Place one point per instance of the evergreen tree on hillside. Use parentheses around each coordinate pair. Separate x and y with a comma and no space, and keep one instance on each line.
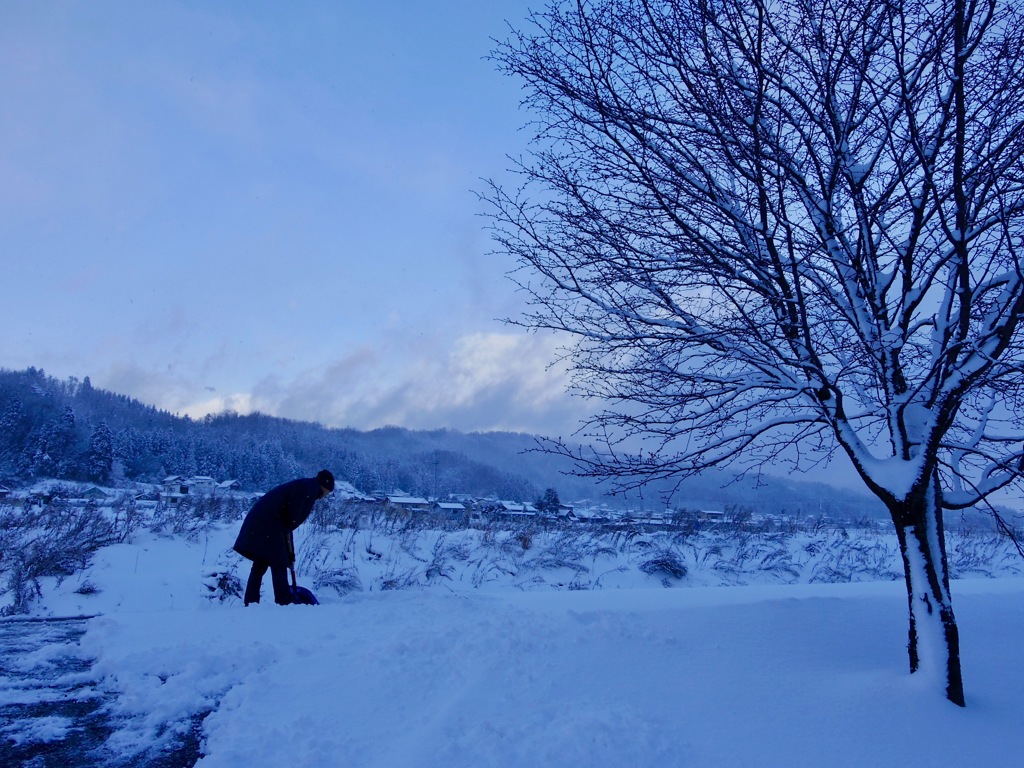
(52,452)
(549,502)
(100,459)
(131,449)
(14,428)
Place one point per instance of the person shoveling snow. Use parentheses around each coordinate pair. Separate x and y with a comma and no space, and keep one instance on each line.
(266,534)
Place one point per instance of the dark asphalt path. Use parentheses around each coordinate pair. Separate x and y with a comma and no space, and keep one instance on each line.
(52,711)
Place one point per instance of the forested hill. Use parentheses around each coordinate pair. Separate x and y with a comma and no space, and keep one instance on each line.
(70,430)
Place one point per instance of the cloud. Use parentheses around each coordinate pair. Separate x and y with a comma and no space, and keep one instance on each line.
(163,389)
(239,403)
(483,382)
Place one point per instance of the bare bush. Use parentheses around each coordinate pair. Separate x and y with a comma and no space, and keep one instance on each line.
(665,563)
(222,585)
(55,540)
(341,580)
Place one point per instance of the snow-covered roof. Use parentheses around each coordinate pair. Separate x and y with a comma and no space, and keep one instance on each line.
(407,500)
(518,506)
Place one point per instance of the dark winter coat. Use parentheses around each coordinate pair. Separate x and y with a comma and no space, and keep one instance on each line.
(265,530)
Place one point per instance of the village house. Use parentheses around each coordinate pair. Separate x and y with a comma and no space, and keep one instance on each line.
(566,512)
(449,507)
(176,487)
(146,499)
(201,484)
(409,503)
(513,510)
(712,515)
(94,494)
(174,484)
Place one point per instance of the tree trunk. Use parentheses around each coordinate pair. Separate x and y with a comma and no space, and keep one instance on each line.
(934,641)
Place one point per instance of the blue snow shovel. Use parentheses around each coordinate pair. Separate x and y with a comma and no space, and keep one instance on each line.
(300,595)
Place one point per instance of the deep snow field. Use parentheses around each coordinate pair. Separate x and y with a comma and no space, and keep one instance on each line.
(765,676)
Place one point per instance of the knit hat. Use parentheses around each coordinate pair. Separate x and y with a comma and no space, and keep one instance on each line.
(326,479)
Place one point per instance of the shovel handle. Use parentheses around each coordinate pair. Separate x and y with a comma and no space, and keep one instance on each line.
(291,553)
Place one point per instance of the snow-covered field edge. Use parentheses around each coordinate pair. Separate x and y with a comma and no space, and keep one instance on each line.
(340,552)
(762,644)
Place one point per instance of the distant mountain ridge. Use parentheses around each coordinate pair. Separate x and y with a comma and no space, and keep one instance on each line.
(68,429)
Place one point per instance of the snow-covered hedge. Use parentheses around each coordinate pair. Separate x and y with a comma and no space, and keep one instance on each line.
(348,548)
(372,558)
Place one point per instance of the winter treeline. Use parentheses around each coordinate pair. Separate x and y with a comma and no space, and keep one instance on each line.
(70,430)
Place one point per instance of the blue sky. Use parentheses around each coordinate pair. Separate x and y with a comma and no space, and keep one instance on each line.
(267,206)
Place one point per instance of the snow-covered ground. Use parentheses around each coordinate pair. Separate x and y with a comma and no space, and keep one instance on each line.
(769,675)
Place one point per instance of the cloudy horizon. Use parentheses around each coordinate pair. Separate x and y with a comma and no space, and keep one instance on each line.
(252,206)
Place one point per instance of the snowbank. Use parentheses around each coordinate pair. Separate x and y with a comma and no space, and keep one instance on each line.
(769,675)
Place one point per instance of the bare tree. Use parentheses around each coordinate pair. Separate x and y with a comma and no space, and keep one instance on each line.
(776,229)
